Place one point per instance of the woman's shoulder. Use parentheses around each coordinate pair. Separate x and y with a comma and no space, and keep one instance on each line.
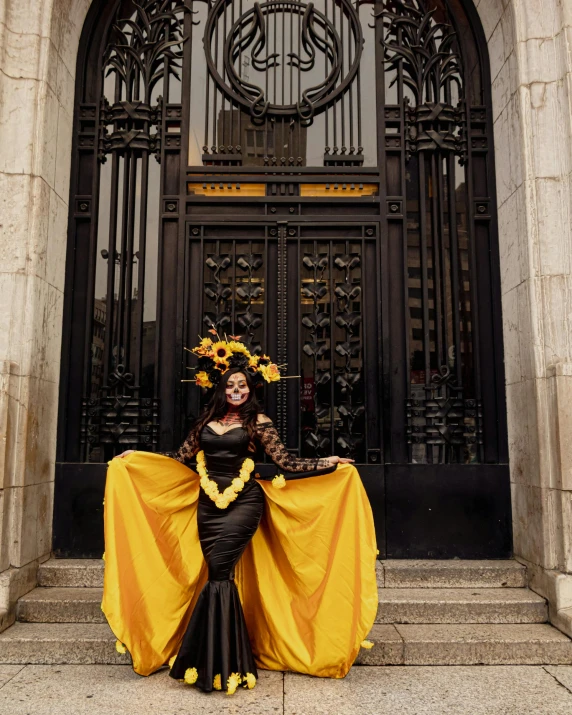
(262,419)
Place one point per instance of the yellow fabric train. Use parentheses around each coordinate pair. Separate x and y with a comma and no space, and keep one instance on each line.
(306,581)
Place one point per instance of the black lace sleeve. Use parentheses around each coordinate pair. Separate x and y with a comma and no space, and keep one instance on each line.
(275,449)
(186,451)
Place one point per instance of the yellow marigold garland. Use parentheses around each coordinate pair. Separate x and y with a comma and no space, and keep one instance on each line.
(217,684)
(249,681)
(120,647)
(211,489)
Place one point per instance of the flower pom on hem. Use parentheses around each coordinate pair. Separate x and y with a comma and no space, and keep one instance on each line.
(232,683)
(120,647)
(279,481)
(217,684)
(191,676)
(249,681)
(367,644)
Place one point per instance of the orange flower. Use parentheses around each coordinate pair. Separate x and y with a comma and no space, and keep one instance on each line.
(202,379)
(270,373)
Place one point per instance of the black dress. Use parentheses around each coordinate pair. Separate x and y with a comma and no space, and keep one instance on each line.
(216,640)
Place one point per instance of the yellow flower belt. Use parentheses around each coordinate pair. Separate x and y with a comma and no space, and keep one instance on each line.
(223,499)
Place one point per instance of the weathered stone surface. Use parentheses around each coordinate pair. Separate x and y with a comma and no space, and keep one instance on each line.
(7,672)
(429,691)
(452,644)
(62,605)
(460,605)
(47,643)
(387,648)
(82,690)
(76,573)
(455,573)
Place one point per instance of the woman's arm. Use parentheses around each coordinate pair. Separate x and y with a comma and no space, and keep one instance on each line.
(184,454)
(186,451)
(275,449)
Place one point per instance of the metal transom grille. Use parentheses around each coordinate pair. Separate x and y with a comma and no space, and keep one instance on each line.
(316,177)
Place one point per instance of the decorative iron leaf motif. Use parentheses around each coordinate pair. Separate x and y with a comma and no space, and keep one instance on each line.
(217,321)
(318,442)
(250,262)
(315,350)
(249,321)
(141,50)
(349,377)
(315,290)
(218,263)
(217,291)
(320,320)
(427,56)
(248,291)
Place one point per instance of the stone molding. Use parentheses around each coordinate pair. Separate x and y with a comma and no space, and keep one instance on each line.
(531,74)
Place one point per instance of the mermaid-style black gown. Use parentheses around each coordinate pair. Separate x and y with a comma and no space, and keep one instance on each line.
(216,641)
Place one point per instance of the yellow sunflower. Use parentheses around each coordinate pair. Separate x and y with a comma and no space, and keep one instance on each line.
(237,347)
(221,352)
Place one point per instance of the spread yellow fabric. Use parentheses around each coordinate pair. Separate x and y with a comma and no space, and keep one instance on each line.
(306,581)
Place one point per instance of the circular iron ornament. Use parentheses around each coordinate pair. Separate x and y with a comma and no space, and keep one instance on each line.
(317,35)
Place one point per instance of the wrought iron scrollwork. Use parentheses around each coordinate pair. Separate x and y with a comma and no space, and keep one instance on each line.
(317,35)
(443,420)
(118,417)
(142,51)
(431,64)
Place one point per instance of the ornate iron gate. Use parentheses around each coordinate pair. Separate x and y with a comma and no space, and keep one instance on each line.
(317,177)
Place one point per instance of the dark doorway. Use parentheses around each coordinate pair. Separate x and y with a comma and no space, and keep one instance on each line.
(319,179)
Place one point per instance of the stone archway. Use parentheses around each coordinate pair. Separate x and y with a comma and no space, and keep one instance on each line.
(529,72)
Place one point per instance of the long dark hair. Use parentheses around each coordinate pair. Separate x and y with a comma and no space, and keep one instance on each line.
(217,407)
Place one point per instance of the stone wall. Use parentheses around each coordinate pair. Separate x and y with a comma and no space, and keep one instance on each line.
(38,46)
(530,53)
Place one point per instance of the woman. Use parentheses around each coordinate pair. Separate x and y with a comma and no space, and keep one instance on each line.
(215,651)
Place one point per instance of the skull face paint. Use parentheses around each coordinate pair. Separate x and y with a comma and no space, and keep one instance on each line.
(237,389)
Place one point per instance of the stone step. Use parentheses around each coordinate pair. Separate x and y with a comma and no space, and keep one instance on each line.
(460,605)
(454,573)
(482,644)
(71,573)
(61,605)
(396,605)
(50,643)
(537,644)
(398,573)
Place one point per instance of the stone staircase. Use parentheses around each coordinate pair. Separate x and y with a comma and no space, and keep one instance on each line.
(430,613)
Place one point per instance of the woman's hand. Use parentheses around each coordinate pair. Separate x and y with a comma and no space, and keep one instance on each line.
(339,460)
(127,451)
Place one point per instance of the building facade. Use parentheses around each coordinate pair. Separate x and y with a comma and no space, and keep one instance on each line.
(377,194)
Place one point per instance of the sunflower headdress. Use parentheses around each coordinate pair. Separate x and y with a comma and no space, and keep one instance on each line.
(216,356)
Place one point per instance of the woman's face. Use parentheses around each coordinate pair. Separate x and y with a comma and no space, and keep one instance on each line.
(237,389)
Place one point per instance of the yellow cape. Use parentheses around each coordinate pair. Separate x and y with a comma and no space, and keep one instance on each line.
(306,581)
